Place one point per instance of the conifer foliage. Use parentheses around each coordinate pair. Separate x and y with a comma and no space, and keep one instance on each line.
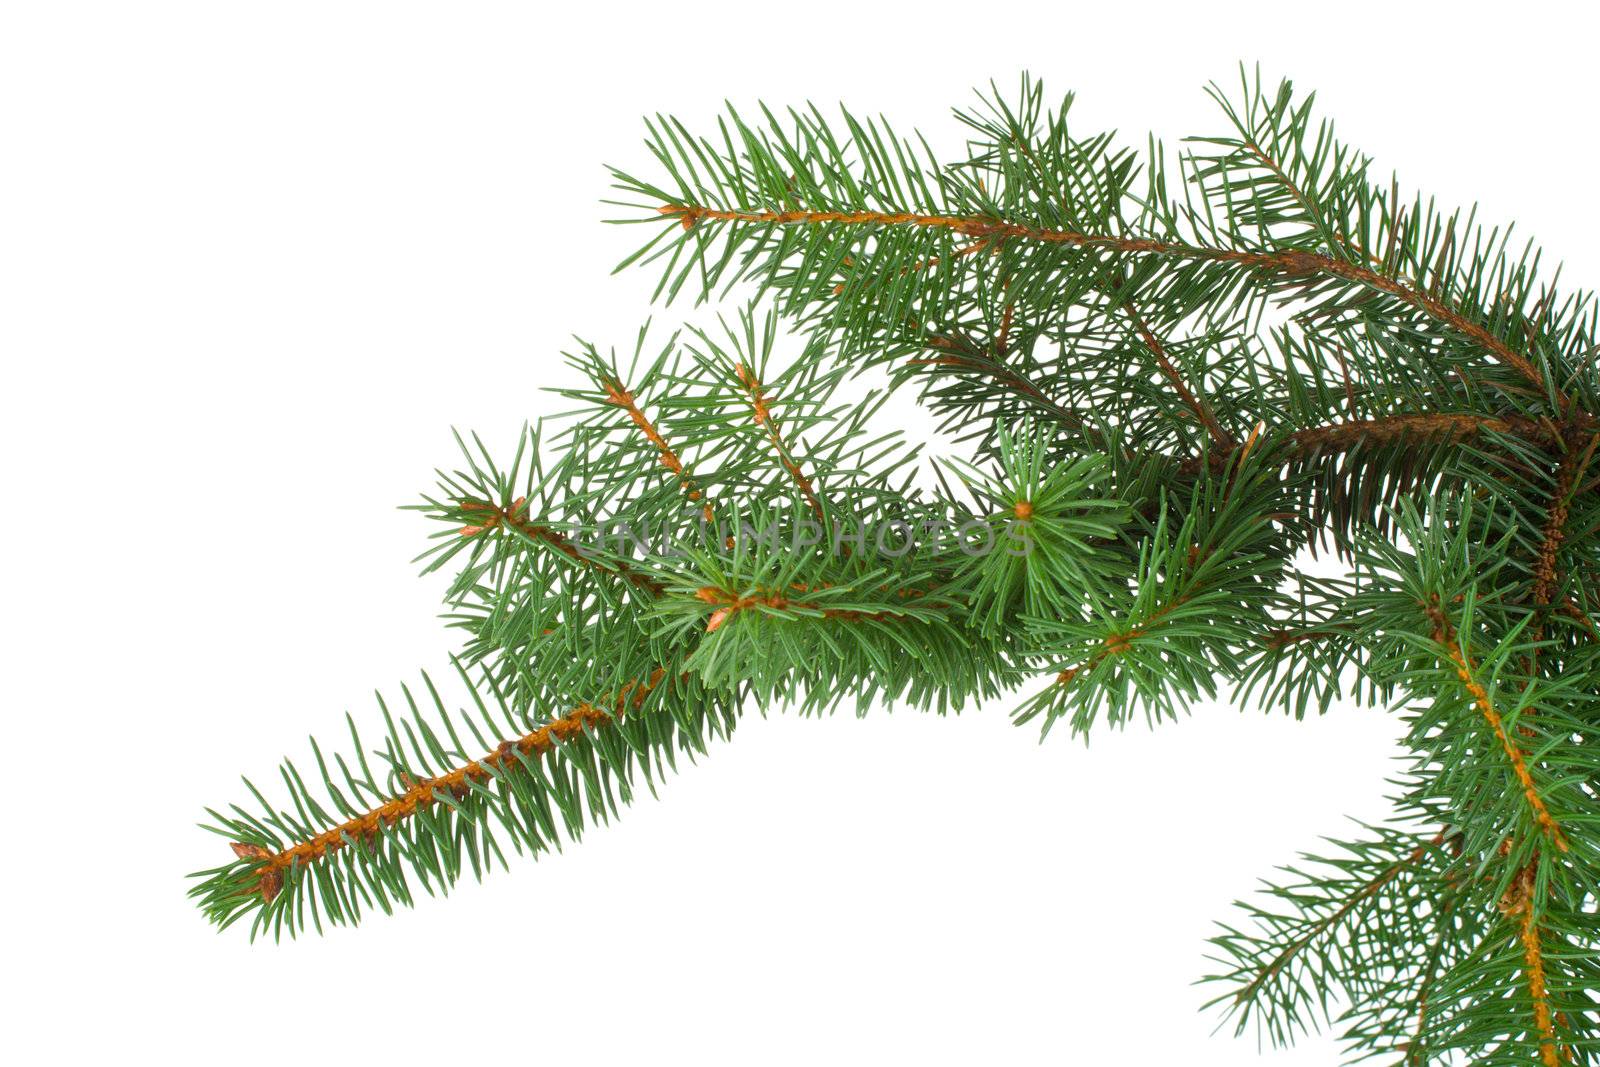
(1175,380)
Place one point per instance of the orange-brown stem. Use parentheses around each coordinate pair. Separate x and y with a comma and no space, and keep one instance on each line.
(618,396)
(761,406)
(727,605)
(1202,411)
(1519,903)
(1571,610)
(1367,889)
(512,518)
(1002,341)
(964,356)
(1280,639)
(1340,436)
(1568,473)
(1117,644)
(1290,263)
(1533,955)
(456,783)
(1444,633)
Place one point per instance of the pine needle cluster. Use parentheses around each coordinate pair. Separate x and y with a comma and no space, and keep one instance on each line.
(1175,382)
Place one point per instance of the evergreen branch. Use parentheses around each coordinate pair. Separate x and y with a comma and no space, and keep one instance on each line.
(1322,925)
(1219,437)
(1430,970)
(1521,900)
(456,784)
(727,604)
(964,356)
(1519,904)
(1329,934)
(1549,1050)
(1120,642)
(1301,661)
(512,518)
(1341,436)
(1290,264)
(1199,596)
(439,814)
(1444,635)
(1437,428)
(1569,474)
(619,396)
(1093,344)
(761,411)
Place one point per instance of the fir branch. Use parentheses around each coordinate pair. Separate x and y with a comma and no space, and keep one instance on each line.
(761,411)
(1326,442)
(1416,1049)
(726,604)
(1341,436)
(1320,927)
(1521,906)
(963,356)
(1569,474)
(439,814)
(1094,343)
(1290,264)
(455,783)
(1327,930)
(487,517)
(1220,438)
(619,396)
(1446,636)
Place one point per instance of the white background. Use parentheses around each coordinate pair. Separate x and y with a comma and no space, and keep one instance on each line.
(258,258)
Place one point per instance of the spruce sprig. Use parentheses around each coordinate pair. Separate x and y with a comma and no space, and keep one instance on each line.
(1173,379)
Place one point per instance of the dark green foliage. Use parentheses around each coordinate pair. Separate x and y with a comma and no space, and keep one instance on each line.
(1173,384)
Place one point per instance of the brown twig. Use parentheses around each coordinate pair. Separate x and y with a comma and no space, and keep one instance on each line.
(1365,890)
(457,783)
(1444,633)
(1573,611)
(1340,436)
(727,604)
(511,518)
(619,396)
(1278,640)
(1519,903)
(964,356)
(1220,438)
(1569,473)
(761,406)
(1290,263)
